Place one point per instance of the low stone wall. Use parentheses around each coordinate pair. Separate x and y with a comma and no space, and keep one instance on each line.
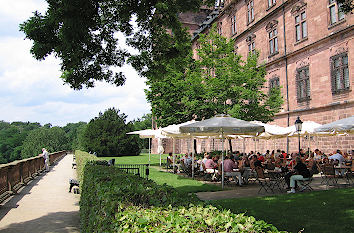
(18,173)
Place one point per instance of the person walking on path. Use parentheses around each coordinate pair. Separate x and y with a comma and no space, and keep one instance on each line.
(45,156)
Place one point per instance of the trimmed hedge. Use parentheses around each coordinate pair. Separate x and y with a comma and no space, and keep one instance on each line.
(82,158)
(113,201)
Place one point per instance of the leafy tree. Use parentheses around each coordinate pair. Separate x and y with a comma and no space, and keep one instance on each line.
(12,137)
(53,139)
(106,135)
(346,6)
(87,42)
(74,133)
(218,82)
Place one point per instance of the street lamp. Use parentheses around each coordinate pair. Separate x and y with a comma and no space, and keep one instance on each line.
(298,126)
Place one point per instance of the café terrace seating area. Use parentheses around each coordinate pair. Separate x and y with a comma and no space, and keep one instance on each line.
(268,176)
(271,171)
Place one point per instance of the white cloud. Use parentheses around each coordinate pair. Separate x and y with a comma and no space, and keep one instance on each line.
(20,10)
(31,90)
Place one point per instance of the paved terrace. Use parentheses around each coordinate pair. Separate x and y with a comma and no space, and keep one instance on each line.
(44,205)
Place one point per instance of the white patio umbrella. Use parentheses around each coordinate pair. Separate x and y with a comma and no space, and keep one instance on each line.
(173,131)
(272,131)
(150,133)
(345,125)
(308,127)
(224,125)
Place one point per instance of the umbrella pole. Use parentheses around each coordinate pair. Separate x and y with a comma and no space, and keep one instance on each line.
(244,146)
(149,150)
(173,154)
(222,161)
(193,151)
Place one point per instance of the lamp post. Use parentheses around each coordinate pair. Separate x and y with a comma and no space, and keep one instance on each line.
(298,126)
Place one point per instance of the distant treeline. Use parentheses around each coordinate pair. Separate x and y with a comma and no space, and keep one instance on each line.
(105,134)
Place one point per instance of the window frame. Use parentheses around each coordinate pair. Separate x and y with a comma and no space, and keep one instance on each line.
(338,14)
(219,29)
(250,11)
(342,67)
(273,41)
(303,82)
(274,82)
(233,24)
(271,3)
(299,25)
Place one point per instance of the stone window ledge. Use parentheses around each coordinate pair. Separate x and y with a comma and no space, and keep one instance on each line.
(300,41)
(330,26)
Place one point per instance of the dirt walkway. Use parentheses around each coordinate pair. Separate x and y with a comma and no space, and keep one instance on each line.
(44,205)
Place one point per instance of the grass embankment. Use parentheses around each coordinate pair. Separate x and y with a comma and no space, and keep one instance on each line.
(160,177)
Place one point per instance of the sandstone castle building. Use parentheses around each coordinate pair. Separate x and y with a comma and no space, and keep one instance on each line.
(308,49)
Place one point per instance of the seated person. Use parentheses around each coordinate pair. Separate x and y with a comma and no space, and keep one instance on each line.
(300,173)
(258,162)
(229,167)
(210,165)
(169,159)
(245,168)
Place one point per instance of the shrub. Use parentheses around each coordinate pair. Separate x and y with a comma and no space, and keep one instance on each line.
(113,201)
(105,188)
(82,158)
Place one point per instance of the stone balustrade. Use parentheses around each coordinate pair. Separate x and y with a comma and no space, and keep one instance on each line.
(16,174)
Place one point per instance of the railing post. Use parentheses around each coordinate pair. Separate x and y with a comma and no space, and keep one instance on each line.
(147,171)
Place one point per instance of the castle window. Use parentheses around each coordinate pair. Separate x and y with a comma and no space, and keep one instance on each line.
(303,84)
(220,28)
(250,11)
(273,41)
(339,73)
(271,3)
(335,14)
(300,26)
(274,83)
(233,25)
(252,47)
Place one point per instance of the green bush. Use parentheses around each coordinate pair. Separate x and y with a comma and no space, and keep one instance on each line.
(82,158)
(105,188)
(113,201)
(185,219)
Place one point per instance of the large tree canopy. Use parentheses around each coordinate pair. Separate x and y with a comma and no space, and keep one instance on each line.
(83,34)
(107,135)
(220,81)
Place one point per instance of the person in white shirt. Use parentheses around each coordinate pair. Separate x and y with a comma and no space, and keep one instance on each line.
(45,156)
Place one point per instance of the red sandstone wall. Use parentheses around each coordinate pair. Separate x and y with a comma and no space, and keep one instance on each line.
(323,42)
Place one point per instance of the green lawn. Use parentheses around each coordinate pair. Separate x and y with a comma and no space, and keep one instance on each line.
(177,181)
(323,211)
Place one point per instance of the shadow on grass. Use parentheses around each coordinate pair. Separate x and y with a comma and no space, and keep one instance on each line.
(320,211)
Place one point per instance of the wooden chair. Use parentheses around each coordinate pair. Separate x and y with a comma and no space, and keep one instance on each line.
(264,181)
(306,183)
(329,175)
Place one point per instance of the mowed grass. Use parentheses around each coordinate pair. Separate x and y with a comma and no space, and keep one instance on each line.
(321,211)
(179,182)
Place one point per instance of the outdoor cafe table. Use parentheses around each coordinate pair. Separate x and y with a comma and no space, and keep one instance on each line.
(277,177)
(347,170)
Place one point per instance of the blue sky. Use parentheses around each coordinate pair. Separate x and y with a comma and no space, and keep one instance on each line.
(31,90)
